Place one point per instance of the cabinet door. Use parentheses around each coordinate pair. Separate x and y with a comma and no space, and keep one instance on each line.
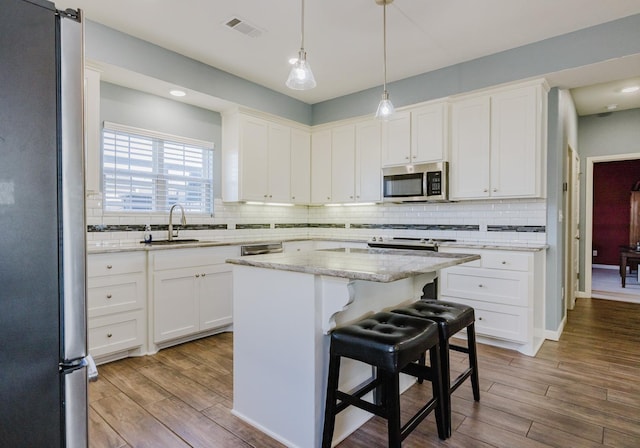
(368,154)
(428,133)
(343,160)
(92,127)
(175,299)
(300,167)
(215,296)
(470,145)
(514,142)
(254,141)
(321,167)
(396,140)
(279,163)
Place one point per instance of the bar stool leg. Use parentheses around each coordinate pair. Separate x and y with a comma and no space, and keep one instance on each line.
(438,390)
(473,361)
(446,382)
(392,400)
(330,406)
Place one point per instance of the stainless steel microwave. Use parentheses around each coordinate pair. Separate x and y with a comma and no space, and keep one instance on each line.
(426,182)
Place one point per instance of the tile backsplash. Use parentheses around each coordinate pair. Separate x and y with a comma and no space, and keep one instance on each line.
(516,221)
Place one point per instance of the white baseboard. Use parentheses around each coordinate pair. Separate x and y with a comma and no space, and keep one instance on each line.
(606,266)
(554,335)
(582,295)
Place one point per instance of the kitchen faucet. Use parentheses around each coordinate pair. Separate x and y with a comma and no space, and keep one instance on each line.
(183,221)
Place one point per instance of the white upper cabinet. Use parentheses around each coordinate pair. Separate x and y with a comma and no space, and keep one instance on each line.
(418,135)
(497,144)
(368,176)
(93,179)
(470,147)
(300,167)
(396,139)
(279,163)
(321,167)
(429,133)
(346,163)
(257,159)
(343,163)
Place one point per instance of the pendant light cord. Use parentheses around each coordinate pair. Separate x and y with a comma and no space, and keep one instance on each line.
(302,27)
(384,42)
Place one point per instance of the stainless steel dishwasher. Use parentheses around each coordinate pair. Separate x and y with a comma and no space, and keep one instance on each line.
(264,248)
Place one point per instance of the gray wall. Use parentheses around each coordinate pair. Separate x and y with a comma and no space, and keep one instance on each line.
(109,46)
(134,108)
(599,43)
(617,133)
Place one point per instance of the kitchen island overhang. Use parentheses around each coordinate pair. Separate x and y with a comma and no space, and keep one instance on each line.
(284,307)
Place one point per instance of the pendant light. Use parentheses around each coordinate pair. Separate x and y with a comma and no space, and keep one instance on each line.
(385,108)
(301,76)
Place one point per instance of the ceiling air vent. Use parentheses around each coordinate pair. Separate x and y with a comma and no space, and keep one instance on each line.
(243,27)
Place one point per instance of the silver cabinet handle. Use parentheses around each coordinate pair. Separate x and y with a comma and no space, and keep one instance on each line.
(495,189)
(480,285)
(480,318)
(109,266)
(203,274)
(109,296)
(197,275)
(485,190)
(109,335)
(504,262)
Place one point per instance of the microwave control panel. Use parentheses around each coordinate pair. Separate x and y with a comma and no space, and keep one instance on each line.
(434,183)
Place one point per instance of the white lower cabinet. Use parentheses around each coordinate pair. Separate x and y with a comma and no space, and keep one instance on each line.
(192,292)
(506,290)
(116,304)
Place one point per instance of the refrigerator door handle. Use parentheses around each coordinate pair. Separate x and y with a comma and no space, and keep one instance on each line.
(73,229)
(92,370)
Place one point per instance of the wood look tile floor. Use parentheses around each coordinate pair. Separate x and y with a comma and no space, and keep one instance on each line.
(582,391)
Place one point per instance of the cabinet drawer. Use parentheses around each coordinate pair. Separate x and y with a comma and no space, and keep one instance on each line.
(510,261)
(184,258)
(499,321)
(115,264)
(506,287)
(115,333)
(503,260)
(115,294)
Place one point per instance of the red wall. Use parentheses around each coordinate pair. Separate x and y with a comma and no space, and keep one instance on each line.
(612,182)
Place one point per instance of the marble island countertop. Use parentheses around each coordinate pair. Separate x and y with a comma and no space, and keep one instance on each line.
(378,265)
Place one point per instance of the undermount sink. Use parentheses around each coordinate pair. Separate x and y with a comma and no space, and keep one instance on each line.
(174,241)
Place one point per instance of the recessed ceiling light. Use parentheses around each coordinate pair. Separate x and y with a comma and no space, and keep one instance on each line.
(612,107)
(176,92)
(630,89)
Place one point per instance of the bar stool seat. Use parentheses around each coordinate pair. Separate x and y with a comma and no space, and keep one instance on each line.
(394,344)
(451,318)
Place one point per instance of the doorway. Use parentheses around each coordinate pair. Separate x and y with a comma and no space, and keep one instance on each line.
(572,228)
(609,181)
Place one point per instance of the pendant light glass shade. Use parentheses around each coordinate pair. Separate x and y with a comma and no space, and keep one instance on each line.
(301,77)
(385,108)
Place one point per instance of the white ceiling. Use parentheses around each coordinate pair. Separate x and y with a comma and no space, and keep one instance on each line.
(343,38)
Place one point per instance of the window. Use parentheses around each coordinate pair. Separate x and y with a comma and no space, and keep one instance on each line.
(146,171)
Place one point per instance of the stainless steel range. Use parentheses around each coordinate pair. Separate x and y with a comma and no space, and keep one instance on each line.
(430,290)
(408,243)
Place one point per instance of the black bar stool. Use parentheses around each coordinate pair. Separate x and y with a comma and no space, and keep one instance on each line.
(394,344)
(451,318)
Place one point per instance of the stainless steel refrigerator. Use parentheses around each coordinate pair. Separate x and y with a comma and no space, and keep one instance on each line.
(43,341)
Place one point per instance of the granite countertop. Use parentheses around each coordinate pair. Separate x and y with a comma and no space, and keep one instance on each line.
(378,265)
(109,246)
(519,246)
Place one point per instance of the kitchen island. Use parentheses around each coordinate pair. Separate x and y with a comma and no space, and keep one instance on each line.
(285,305)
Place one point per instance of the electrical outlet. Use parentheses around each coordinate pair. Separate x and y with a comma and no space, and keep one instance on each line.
(595,253)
